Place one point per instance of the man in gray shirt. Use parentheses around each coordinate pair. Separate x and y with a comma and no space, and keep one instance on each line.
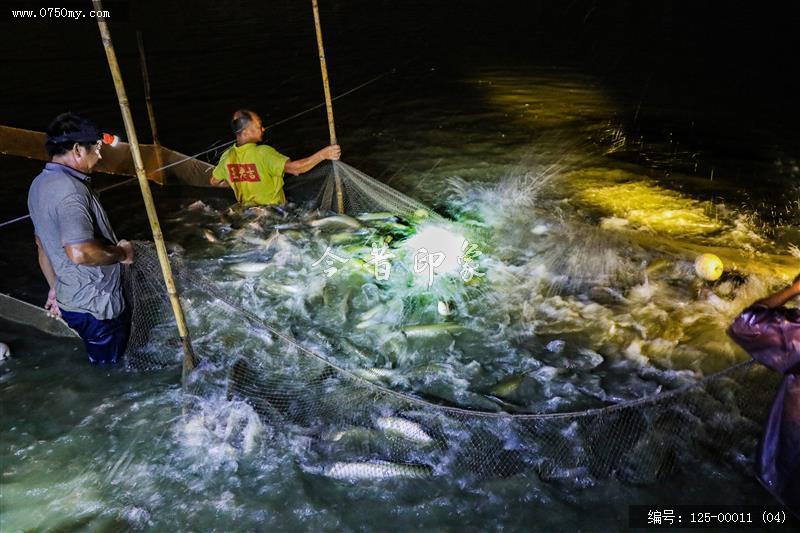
(78,252)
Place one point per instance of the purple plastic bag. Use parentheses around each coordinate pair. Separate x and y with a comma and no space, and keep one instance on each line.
(772,337)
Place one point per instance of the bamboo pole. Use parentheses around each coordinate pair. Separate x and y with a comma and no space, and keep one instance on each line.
(328,103)
(158,174)
(146,78)
(189,361)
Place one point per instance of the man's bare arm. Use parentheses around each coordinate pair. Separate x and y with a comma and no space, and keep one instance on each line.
(782,296)
(218,183)
(95,253)
(44,264)
(50,275)
(301,166)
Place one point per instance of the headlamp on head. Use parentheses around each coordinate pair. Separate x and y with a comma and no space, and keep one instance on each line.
(87,134)
(110,139)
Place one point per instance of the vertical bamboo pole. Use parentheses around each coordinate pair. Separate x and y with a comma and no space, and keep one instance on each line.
(189,361)
(328,103)
(146,78)
(157,175)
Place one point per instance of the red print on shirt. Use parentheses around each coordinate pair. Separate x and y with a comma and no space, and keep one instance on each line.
(243,172)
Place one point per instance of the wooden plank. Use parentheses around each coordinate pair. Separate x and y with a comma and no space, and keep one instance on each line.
(117,160)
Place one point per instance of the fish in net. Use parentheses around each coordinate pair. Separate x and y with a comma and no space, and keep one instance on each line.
(359,427)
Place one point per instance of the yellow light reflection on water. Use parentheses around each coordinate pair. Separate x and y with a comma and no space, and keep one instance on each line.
(547,98)
(669,222)
(649,206)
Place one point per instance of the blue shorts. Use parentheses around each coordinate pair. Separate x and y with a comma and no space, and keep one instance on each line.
(105,340)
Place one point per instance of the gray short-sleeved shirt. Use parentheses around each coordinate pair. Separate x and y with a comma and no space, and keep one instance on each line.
(65,210)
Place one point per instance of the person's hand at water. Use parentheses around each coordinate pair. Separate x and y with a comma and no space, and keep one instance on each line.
(128,247)
(782,296)
(52,305)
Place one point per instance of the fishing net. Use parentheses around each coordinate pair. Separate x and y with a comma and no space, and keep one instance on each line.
(360,193)
(357,425)
(21,312)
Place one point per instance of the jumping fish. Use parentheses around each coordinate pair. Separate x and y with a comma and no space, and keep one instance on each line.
(376,470)
(288,226)
(243,424)
(375,374)
(249,267)
(258,241)
(274,239)
(343,238)
(403,428)
(292,234)
(379,215)
(335,222)
(265,210)
(397,227)
(433,367)
(282,288)
(355,433)
(371,317)
(508,385)
(209,235)
(431,330)
(5,351)
(352,349)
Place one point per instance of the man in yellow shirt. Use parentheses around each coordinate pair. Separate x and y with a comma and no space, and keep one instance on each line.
(255,172)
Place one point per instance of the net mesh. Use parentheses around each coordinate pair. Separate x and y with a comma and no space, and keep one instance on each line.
(21,312)
(360,193)
(358,426)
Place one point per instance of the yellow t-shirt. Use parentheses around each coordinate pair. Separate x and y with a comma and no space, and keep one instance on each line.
(255,173)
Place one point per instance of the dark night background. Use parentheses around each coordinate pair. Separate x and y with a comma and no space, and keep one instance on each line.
(721,65)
